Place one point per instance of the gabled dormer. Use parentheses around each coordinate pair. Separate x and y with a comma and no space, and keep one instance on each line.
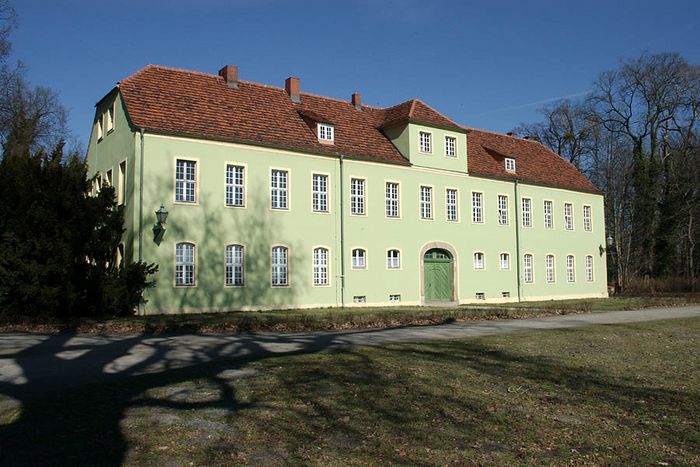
(425,137)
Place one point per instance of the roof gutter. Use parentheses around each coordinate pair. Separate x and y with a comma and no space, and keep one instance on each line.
(140,256)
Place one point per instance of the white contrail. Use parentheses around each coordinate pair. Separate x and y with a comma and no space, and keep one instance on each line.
(540,102)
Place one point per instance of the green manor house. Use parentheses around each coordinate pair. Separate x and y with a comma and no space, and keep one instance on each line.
(284,199)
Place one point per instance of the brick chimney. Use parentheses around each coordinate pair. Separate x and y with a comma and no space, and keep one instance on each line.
(357,101)
(292,86)
(230,75)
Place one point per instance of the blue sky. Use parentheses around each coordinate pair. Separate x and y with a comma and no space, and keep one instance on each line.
(489,65)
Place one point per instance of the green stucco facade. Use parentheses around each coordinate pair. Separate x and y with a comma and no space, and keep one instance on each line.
(211,225)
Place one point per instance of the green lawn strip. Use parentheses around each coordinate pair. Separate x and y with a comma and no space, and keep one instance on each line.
(597,395)
(344,318)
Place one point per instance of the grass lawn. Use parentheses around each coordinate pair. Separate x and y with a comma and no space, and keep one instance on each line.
(347,318)
(598,395)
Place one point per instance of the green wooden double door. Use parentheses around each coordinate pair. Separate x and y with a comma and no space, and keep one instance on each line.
(437,272)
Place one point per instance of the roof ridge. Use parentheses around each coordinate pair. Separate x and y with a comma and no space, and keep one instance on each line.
(529,140)
(413,107)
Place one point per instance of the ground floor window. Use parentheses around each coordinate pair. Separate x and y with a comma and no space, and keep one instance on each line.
(320,266)
(184,264)
(393,260)
(359,258)
(528,275)
(234,265)
(279,263)
(589,268)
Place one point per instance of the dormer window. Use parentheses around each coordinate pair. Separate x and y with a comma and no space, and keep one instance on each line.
(425,141)
(510,165)
(325,132)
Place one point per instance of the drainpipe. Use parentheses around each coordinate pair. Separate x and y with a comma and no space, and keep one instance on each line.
(141,197)
(517,240)
(342,236)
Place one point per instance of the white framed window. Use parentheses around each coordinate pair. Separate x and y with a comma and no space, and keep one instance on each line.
(528,273)
(100,127)
(359,258)
(510,165)
(587,223)
(505,294)
(326,132)
(527,212)
(394,298)
(392,199)
(451,204)
(234,265)
(450,146)
(549,268)
(279,189)
(121,190)
(568,216)
(502,210)
(504,261)
(109,177)
(184,264)
(320,266)
(359,299)
(570,269)
(235,185)
(478,260)
(425,142)
(110,118)
(119,260)
(477,207)
(589,268)
(426,202)
(357,196)
(319,193)
(185,181)
(393,259)
(279,262)
(99,183)
(548,215)
(480,296)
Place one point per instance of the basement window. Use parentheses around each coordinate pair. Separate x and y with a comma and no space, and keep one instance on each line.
(359,299)
(326,132)
(394,298)
(510,165)
(480,296)
(505,294)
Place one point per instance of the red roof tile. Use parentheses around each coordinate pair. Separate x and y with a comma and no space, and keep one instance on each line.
(173,101)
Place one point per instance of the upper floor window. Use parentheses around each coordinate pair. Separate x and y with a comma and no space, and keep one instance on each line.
(110,118)
(100,127)
(589,268)
(450,146)
(392,199)
(477,208)
(502,210)
(504,261)
(425,140)
(184,264)
(393,259)
(326,132)
(426,202)
(568,216)
(319,193)
(320,266)
(235,185)
(121,190)
(109,177)
(587,218)
(185,181)
(549,268)
(279,266)
(548,215)
(279,189)
(451,204)
(234,265)
(510,165)
(528,274)
(357,196)
(359,258)
(570,270)
(527,212)
(478,260)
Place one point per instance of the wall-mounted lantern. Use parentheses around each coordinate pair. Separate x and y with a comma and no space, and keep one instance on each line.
(608,242)
(159,227)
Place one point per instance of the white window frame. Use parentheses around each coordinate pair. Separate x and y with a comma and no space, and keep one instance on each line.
(358,258)
(321,266)
(184,184)
(425,142)
(185,270)
(478,210)
(426,203)
(235,187)
(280,199)
(110,118)
(234,265)
(393,259)
(121,188)
(358,196)
(394,298)
(100,127)
(587,218)
(452,207)
(450,146)
(568,216)
(509,165)
(570,268)
(528,268)
(320,199)
(548,214)
(504,261)
(550,270)
(279,266)
(325,132)
(526,208)
(589,268)
(479,261)
(392,200)
(502,209)
(109,177)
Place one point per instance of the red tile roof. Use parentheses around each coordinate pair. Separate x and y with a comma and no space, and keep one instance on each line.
(173,101)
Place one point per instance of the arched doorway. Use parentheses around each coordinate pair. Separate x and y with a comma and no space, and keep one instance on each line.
(438,276)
